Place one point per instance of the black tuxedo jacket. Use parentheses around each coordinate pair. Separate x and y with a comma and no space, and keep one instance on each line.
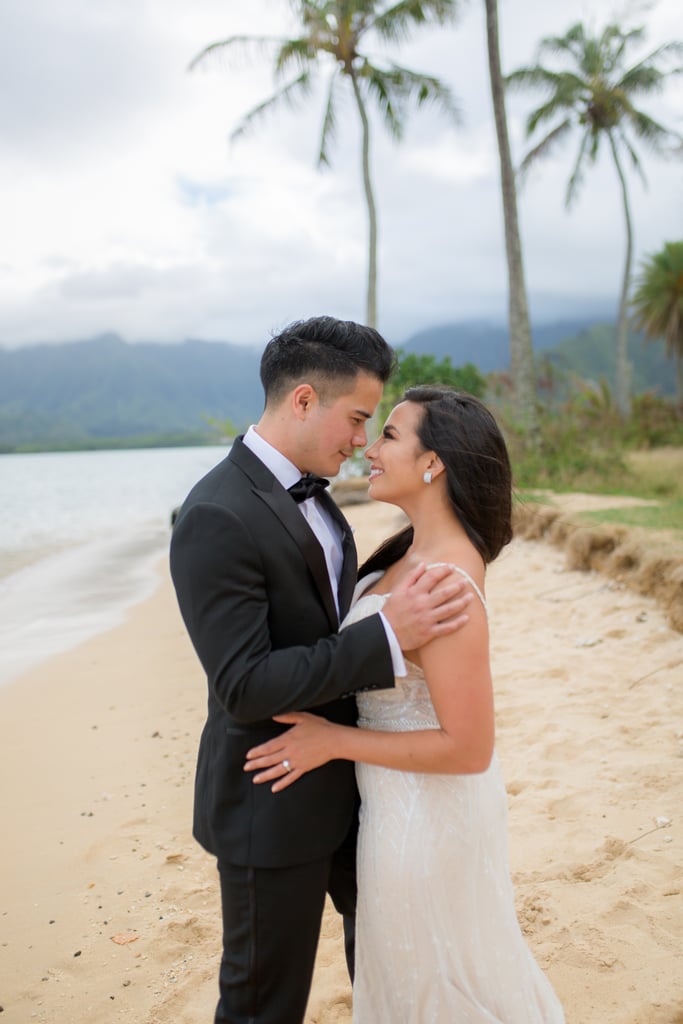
(255,596)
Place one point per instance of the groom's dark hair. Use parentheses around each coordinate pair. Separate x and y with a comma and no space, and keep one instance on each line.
(325,352)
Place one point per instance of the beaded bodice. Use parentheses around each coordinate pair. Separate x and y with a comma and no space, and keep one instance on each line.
(408,706)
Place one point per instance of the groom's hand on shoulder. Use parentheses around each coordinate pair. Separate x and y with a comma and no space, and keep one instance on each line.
(427,603)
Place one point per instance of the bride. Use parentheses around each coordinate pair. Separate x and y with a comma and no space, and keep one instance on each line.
(437,937)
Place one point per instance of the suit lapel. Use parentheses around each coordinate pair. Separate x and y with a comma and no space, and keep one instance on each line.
(348,579)
(270,491)
(291,518)
(350,559)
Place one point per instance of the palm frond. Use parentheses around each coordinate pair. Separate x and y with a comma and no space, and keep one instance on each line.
(301,52)
(559,103)
(214,51)
(417,87)
(287,95)
(390,101)
(537,77)
(565,87)
(613,44)
(645,77)
(576,177)
(572,43)
(659,138)
(394,88)
(595,138)
(621,141)
(329,129)
(545,146)
(657,300)
(396,23)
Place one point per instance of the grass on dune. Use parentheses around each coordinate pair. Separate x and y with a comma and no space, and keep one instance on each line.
(655,476)
(641,545)
(658,472)
(663,516)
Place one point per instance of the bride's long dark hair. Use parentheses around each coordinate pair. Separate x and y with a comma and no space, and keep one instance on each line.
(467,439)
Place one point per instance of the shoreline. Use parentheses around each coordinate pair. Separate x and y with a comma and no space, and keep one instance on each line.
(75,592)
(109,908)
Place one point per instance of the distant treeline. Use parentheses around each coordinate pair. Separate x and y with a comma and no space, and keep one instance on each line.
(106,393)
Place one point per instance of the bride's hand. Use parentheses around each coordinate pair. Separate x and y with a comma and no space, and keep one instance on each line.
(300,749)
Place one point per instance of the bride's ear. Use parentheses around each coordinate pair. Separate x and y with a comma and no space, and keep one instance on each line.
(434,466)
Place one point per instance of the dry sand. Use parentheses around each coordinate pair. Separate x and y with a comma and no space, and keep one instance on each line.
(109,910)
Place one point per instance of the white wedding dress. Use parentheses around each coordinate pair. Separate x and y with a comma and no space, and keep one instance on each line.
(437,937)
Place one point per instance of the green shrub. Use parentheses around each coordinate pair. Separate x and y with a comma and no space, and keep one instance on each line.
(582,442)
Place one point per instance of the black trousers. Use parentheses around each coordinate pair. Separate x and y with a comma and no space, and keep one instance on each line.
(271,926)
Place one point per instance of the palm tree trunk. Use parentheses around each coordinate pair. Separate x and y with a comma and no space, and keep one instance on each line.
(623,367)
(521,352)
(371,307)
(679,378)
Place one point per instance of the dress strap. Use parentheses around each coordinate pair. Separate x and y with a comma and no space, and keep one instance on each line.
(365,584)
(368,581)
(463,572)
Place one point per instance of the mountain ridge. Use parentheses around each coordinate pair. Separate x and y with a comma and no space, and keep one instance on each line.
(105,390)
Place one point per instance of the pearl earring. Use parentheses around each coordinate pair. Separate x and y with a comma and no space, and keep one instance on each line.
(427,477)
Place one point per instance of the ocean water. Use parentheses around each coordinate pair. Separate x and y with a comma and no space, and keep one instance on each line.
(81,535)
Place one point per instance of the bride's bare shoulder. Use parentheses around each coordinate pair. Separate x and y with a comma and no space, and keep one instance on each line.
(466,561)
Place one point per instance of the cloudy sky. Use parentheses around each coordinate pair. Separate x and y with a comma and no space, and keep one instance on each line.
(124,207)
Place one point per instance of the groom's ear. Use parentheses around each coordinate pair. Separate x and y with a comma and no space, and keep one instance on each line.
(302,399)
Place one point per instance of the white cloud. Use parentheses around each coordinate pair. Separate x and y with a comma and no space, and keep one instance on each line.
(124,206)
(449,161)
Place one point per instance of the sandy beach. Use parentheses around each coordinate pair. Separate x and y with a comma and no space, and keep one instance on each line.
(109,909)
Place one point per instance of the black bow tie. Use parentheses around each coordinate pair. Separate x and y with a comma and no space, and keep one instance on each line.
(310,486)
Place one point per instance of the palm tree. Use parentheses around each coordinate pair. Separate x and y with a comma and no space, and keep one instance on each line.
(595,94)
(332,33)
(521,352)
(658,304)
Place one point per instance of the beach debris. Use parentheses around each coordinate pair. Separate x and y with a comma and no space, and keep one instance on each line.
(175,858)
(591,641)
(123,938)
(660,822)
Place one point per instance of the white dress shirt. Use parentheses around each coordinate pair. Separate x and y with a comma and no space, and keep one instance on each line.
(327,532)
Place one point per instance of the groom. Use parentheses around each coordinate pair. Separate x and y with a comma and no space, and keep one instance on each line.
(264,567)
